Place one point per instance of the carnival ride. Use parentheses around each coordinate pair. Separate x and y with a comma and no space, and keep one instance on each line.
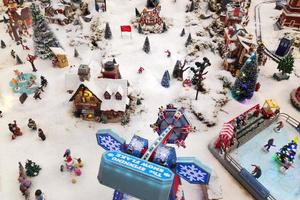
(152,172)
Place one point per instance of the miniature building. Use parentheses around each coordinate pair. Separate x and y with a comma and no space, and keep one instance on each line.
(150,17)
(290,16)
(60,58)
(87,104)
(239,46)
(284,46)
(110,70)
(235,14)
(295,98)
(112,96)
(84,73)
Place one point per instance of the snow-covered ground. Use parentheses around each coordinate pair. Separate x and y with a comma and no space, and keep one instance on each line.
(53,112)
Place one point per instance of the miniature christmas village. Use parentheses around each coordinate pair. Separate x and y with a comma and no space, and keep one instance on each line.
(150,99)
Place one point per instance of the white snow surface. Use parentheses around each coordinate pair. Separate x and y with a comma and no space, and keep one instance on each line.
(54,113)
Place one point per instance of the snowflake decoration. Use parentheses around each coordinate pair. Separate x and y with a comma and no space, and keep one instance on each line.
(109,143)
(137,144)
(192,173)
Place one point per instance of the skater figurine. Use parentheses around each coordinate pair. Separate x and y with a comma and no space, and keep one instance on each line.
(13,53)
(39,195)
(269,144)
(31,124)
(44,82)
(256,172)
(41,134)
(68,160)
(141,69)
(37,94)
(168,53)
(279,126)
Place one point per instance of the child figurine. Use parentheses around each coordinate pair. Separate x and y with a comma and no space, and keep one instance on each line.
(269,144)
(39,195)
(279,126)
(31,124)
(16,131)
(256,172)
(41,134)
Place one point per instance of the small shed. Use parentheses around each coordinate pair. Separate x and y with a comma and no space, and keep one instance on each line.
(60,57)
(284,46)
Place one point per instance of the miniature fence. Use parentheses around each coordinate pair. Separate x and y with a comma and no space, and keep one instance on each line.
(292,121)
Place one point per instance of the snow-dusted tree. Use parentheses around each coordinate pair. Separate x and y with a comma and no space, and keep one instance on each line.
(286,65)
(96,30)
(182,32)
(176,69)
(140,30)
(107,34)
(152,3)
(165,81)
(189,40)
(76,54)
(164,27)
(146,46)
(137,13)
(43,36)
(19,61)
(3,45)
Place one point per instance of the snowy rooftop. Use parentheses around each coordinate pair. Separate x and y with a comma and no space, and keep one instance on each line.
(57,50)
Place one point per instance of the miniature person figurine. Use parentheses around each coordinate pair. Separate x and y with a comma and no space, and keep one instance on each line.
(44,82)
(41,134)
(279,126)
(25,184)
(79,163)
(68,159)
(16,131)
(37,94)
(141,69)
(256,172)
(39,195)
(168,53)
(269,144)
(13,53)
(1,114)
(31,124)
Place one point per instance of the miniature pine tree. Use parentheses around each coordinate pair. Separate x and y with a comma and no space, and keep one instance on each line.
(165,81)
(19,61)
(140,30)
(3,45)
(192,6)
(107,34)
(164,27)
(152,3)
(286,65)
(76,54)
(137,13)
(244,85)
(32,169)
(176,69)
(43,36)
(182,32)
(146,46)
(189,40)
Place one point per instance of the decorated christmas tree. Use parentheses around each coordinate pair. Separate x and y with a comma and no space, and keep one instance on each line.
(244,85)
(288,152)
(32,169)
(43,36)
(286,65)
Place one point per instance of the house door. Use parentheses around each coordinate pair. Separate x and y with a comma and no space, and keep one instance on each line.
(88,114)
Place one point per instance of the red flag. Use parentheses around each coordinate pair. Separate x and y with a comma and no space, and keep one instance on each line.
(126,28)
